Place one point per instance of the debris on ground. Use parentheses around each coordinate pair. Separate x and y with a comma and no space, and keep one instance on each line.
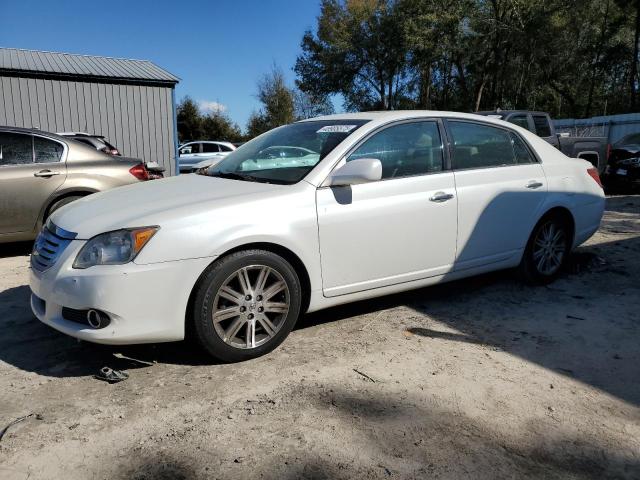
(135,360)
(364,375)
(111,376)
(18,420)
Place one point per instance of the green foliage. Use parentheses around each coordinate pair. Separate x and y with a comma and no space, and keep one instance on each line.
(194,125)
(277,104)
(189,121)
(569,57)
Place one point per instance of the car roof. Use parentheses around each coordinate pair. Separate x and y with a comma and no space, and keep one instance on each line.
(391,115)
(510,112)
(79,134)
(36,131)
(217,142)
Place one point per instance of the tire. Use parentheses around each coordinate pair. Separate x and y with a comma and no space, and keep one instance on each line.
(236,319)
(547,250)
(61,203)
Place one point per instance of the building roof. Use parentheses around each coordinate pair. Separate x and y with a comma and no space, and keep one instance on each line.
(18,62)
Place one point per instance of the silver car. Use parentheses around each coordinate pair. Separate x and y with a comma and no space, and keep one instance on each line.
(192,155)
(40,172)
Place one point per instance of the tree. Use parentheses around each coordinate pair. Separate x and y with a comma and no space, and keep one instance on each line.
(218,126)
(307,105)
(569,57)
(357,52)
(189,120)
(277,104)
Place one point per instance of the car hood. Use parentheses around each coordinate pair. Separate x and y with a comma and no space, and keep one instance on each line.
(155,202)
(191,161)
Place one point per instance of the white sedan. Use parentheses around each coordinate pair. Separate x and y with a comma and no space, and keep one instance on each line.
(195,155)
(379,203)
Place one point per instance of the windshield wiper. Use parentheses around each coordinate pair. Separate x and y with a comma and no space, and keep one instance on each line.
(237,176)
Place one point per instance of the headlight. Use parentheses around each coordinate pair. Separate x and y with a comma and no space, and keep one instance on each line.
(114,248)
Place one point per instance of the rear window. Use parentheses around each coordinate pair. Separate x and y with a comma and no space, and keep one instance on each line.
(520,120)
(210,148)
(46,151)
(542,126)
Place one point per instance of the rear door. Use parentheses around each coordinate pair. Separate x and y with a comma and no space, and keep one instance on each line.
(32,168)
(500,187)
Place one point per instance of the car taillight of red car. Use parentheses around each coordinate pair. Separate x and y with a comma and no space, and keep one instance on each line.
(139,171)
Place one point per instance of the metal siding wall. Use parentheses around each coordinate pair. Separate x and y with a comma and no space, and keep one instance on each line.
(138,120)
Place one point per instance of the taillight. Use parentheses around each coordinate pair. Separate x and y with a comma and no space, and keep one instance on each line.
(593,173)
(139,172)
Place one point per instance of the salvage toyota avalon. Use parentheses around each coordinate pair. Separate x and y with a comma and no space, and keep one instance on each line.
(353,206)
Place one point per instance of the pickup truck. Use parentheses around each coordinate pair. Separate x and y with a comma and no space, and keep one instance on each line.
(593,149)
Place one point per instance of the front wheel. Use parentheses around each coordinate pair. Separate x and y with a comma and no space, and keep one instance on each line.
(546,251)
(246,305)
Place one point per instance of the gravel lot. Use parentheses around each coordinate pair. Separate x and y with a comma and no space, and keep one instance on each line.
(482,378)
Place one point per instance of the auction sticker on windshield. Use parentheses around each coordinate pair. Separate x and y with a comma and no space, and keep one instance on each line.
(337,129)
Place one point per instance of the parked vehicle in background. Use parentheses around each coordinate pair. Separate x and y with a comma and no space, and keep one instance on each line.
(237,255)
(41,172)
(96,141)
(192,153)
(101,144)
(623,169)
(593,149)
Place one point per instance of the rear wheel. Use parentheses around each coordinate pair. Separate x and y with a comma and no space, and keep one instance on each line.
(246,305)
(547,250)
(61,203)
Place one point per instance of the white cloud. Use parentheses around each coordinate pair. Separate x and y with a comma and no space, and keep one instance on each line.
(208,106)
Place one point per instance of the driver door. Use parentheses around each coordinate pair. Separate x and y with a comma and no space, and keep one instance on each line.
(399,229)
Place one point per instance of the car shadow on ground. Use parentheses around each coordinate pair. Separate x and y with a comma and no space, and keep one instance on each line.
(16,249)
(571,327)
(417,442)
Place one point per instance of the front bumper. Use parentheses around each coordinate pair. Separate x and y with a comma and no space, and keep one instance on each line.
(146,303)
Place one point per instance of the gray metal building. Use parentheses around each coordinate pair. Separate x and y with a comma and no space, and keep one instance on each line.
(130,102)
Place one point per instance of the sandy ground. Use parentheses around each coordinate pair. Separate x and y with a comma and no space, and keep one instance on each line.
(481,378)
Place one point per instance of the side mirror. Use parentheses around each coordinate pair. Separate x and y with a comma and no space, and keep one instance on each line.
(362,170)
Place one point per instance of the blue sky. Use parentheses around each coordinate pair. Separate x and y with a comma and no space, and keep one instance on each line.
(219,48)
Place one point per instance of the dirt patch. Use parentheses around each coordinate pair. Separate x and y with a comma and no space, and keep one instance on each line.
(482,378)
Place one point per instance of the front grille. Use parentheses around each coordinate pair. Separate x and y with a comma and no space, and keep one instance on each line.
(49,245)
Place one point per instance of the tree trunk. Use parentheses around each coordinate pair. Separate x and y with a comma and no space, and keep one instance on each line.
(634,63)
(479,96)
(594,71)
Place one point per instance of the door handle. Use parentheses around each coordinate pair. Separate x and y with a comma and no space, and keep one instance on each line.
(441,197)
(45,173)
(534,184)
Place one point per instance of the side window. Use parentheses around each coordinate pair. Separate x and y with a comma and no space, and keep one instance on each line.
(405,150)
(224,148)
(477,146)
(191,148)
(520,150)
(15,148)
(542,126)
(520,120)
(46,151)
(210,147)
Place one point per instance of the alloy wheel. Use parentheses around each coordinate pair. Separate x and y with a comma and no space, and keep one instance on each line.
(549,248)
(251,306)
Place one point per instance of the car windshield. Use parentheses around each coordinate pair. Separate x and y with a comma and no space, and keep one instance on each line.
(286,154)
(634,138)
